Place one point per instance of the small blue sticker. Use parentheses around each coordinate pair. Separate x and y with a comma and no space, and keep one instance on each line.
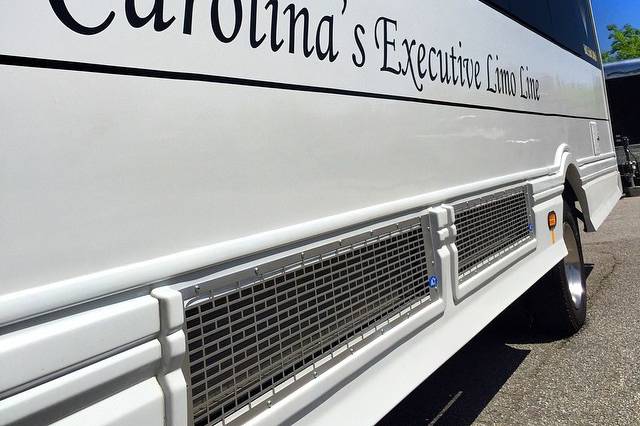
(433,282)
(531,227)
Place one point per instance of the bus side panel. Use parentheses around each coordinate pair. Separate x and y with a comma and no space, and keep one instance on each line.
(202,142)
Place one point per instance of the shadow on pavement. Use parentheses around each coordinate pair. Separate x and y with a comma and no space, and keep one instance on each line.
(460,390)
(588,269)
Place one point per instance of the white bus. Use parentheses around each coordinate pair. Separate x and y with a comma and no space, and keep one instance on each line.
(278,211)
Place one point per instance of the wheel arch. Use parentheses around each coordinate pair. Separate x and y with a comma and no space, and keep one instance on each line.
(575,194)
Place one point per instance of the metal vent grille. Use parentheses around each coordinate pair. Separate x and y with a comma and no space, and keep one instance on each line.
(258,339)
(489,228)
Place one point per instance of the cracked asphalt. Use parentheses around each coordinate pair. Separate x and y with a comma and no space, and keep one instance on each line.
(510,374)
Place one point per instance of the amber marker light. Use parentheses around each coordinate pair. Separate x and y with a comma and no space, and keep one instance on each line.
(552,219)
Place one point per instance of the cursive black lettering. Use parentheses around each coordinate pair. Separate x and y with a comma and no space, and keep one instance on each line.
(433,75)
(304,14)
(188,17)
(422,55)
(386,43)
(275,44)
(62,12)
(215,21)
(137,21)
(409,45)
(326,22)
(359,62)
(490,88)
(254,41)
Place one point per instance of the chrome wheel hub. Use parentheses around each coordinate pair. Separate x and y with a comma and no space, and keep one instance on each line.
(573,268)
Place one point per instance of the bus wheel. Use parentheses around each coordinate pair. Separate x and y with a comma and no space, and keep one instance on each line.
(560,298)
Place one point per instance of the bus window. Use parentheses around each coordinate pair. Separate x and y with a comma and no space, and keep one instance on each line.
(534,13)
(573,27)
(566,22)
(502,4)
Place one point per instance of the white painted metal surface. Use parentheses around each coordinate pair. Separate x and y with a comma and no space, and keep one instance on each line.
(47,401)
(74,339)
(151,167)
(133,155)
(139,405)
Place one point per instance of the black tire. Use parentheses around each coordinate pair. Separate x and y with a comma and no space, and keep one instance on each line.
(556,305)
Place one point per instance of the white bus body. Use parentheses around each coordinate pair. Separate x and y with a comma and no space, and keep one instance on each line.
(168,157)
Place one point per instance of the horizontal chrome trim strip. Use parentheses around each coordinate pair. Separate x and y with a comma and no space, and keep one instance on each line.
(210,283)
(547,194)
(65,395)
(599,173)
(591,160)
(137,319)
(19,306)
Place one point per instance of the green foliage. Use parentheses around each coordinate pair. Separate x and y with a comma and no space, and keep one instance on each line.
(625,43)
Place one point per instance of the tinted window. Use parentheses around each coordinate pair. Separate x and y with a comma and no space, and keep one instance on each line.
(573,27)
(503,4)
(567,22)
(534,12)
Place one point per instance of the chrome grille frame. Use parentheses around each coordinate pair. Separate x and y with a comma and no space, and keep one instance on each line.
(365,305)
(490,227)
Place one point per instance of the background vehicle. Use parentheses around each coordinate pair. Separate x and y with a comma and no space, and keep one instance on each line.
(270,212)
(623,87)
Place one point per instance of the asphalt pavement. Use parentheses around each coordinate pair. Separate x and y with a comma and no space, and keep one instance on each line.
(512,375)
